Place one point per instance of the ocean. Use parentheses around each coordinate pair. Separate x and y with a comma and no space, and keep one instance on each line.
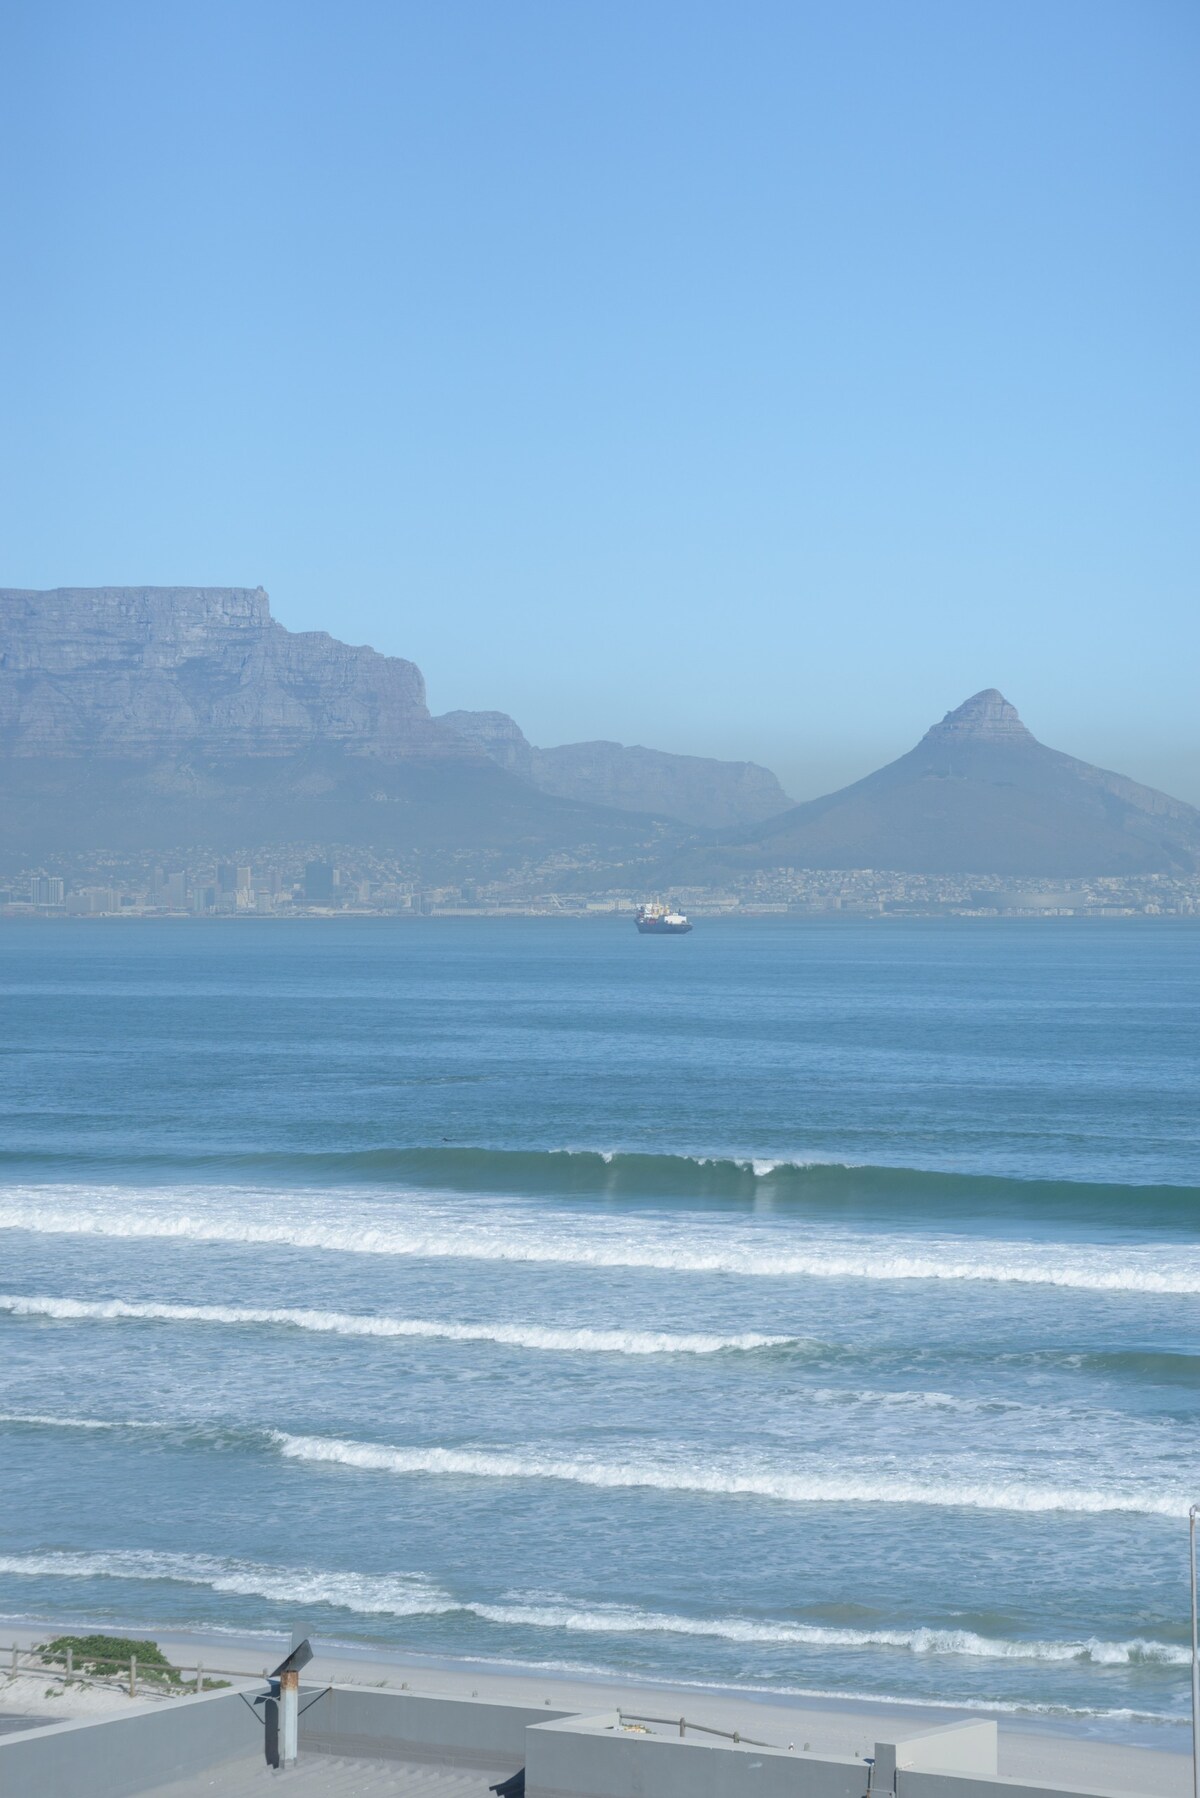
(805,1305)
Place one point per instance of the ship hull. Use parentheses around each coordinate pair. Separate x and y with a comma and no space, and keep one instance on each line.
(658,927)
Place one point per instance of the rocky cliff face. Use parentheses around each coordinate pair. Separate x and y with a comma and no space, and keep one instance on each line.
(177,675)
(697,790)
(152,672)
(986,717)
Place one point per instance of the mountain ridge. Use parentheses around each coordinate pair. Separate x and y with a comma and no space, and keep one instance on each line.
(144,717)
(180,674)
(697,790)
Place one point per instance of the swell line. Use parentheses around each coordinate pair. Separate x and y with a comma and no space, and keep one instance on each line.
(341,1323)
(632,1173)
(849,1485)
(852,1486)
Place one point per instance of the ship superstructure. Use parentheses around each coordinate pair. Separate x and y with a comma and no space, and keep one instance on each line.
(656,919)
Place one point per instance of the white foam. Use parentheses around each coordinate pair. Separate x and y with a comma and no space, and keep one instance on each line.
(416,1595)
(395,1595)
(501,1232)
(850,1486)
(619,1620)
(40,1420)
(341,1323)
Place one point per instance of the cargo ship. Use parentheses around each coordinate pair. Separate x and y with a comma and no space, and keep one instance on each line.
(660,920)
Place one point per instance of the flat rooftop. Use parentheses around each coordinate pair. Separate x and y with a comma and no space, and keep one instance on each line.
(332,1776)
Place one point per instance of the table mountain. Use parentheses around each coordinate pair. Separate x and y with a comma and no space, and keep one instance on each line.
(978,794)
(696,789)
(150,671)
(146,718)
(192,714)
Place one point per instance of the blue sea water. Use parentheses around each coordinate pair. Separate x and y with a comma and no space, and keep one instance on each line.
(807,1305)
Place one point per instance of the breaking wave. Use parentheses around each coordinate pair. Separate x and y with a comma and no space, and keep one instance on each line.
(418,1595)
(813,1180)
(853,1486)
(341,1323)
(441,1230)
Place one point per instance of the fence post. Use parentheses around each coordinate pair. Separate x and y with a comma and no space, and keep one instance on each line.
(133,1676)
(199,1677)
(14,1657)
(682,1726)
(70,1662)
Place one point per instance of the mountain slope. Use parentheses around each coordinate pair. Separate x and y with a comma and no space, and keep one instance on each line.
(978,794)
(698,790)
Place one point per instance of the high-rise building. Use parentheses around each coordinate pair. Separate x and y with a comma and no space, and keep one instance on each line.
(46,889)
(226,878)
(244,881)
(320,879)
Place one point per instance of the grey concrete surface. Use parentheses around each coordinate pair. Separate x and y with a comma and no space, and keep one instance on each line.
(130,1753)
(334,1776)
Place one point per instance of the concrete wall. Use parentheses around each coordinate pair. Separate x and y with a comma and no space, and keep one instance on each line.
(136,1751)
(972,1747)
(471,1732)
(588,1757)
(912,1784)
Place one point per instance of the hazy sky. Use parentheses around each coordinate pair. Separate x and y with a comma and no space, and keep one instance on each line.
(756,379)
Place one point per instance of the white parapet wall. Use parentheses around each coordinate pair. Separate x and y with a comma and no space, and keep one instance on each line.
(971,1747)
(914,1783)
(599,1757)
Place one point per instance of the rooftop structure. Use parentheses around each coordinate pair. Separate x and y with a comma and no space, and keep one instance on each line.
(364,1742)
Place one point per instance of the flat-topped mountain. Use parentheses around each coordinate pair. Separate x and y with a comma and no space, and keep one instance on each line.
(145,717)
(149,671)
(978,794)
(696,789)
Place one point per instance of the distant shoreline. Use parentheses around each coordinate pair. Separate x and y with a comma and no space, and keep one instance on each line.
(556,916)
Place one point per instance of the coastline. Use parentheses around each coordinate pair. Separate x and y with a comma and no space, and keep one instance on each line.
(1098,1753)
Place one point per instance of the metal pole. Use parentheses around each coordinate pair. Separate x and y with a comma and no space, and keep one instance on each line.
(1195,1656)
(289,1716)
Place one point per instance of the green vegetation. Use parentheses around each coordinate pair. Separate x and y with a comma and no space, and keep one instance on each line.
(112,1655)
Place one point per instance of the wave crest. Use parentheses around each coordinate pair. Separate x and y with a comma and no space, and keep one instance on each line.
(342,1323)
(851,1486)
(418,1595)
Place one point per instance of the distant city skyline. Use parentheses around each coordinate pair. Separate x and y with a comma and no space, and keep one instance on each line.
(751,382)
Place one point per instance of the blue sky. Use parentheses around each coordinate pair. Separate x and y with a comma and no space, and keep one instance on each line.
(749,379)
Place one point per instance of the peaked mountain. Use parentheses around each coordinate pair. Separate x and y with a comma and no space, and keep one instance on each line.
(696,789)
(978,794)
